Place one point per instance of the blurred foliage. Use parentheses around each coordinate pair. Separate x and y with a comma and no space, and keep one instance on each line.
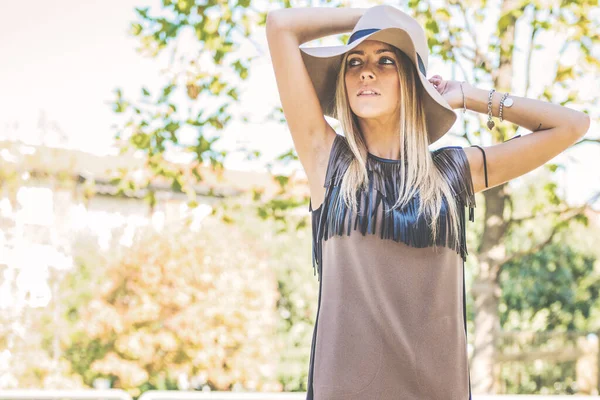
(297,286)
(554,290)
(549,298)
(207,43)
(182,302)
(546,377)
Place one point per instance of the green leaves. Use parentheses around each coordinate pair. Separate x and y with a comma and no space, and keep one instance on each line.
(141,140)
(564,72)
(142,12)
(550,191)
(166,92)
(432,26)
(442,14)
(556,282)
(184,6)
(136,29)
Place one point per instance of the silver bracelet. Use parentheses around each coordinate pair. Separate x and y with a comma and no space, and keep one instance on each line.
(490,123)
(463,95)
(502,104)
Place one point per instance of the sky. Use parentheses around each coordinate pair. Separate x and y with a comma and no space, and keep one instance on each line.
(62,61)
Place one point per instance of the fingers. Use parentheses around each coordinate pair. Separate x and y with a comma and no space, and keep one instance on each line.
(436,81)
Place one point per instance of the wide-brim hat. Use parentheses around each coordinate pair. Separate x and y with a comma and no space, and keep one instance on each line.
(393,26)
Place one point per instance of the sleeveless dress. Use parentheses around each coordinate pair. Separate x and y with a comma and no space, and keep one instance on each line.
(391,316)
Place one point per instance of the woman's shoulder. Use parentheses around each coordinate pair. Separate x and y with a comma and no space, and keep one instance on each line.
(449,156)
(448,151)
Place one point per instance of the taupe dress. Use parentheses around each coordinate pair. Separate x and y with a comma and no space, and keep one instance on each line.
(391,316)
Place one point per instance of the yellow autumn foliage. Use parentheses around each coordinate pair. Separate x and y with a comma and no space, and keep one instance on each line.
(179,301)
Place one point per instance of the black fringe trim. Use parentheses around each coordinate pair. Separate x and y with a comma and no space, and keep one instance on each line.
(333,217)
(452,162)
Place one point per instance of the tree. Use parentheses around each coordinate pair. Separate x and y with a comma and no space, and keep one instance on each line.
(548,293)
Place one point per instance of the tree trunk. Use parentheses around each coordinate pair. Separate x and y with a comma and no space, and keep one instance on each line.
(486,292)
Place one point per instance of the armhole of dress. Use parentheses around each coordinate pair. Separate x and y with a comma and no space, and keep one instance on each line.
(318,215)
(331,164)
(484,163)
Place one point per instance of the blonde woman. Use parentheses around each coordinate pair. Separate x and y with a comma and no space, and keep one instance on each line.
(388,214)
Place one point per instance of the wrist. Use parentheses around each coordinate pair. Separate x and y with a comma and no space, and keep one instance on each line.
(464,97)
(470,95)
(477,100)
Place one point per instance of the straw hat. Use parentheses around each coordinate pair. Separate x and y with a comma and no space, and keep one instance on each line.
(387,24)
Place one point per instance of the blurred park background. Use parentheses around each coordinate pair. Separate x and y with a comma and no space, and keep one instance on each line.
(154,225)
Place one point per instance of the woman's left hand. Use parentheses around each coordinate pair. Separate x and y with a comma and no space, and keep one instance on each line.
(450,90)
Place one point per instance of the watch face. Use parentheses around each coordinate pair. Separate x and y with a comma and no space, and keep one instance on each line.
(508,102)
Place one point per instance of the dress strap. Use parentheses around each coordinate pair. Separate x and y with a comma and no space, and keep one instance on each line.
(484,163)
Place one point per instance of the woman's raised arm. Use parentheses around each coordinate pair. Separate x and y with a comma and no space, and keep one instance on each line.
(286,29)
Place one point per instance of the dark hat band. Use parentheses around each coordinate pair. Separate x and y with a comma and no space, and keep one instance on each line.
(360,33)
(364,32)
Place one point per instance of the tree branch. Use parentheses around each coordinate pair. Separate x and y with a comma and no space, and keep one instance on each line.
(576,211)
(516,221)
(539,246)
(478,55)
(588,140)
(529,56)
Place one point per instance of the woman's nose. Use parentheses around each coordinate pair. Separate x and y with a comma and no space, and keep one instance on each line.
(366,73)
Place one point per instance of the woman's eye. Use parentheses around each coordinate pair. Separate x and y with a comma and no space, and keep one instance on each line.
(382,58)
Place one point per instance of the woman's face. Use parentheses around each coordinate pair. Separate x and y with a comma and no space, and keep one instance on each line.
(374,66)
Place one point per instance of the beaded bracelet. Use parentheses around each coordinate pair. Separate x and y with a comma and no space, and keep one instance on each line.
(502,105)
(490,123)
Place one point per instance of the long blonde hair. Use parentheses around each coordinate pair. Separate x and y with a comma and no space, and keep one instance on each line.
(416,163)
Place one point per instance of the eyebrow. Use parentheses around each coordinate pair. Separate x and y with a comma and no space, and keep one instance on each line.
(362,53)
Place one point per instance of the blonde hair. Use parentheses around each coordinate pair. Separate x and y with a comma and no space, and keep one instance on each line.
(416,161)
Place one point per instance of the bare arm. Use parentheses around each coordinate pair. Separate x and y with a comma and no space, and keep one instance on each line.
(531,114)
(312,136)
(311,23)
(555,128)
